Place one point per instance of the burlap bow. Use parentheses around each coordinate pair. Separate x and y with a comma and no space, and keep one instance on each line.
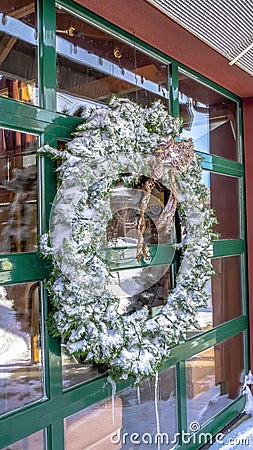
(176,158)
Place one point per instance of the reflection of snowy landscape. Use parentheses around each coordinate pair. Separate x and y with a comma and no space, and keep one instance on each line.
(14,343)
(20,380)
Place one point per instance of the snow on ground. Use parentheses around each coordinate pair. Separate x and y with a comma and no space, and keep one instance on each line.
(240,438)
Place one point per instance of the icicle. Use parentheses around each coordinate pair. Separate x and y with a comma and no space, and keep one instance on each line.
(138,395)
(114,388)
(156,410)
(248,380)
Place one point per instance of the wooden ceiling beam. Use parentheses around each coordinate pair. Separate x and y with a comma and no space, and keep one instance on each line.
(8,42)
(22,12)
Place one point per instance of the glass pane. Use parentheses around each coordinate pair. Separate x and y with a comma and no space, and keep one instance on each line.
(212,381)
(209,117)
(35,441)
(135,419)
(18,186)
(96,427)
(142,416)
(225,193)
(226,299)
(76,371)
(126,205)
(92,65)
(18,50)
(148,285)
(21,371)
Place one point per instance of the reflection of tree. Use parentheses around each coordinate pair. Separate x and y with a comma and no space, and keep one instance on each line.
(18,233)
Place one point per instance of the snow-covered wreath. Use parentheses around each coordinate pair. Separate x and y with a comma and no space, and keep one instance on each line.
(124,143)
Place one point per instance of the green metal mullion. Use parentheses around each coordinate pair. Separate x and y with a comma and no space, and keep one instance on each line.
(203,341)
(48,179)
(174,103)
(47,189)
(22,267)
(57,435)
(47,54)
(159,254)
(221,165)
(53,365)
(18,123)
(228,247)
(49,438)
(30,119)
(181,398)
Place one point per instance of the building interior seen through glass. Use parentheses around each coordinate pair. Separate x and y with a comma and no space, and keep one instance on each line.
(18,50)
(18,192)
(92,65)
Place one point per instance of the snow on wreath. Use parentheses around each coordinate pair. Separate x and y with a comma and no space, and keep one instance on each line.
(125,144)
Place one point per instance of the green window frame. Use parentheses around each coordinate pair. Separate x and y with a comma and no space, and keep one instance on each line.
(44,121)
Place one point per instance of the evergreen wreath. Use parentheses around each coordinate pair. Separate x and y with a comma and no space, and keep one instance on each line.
(122,143)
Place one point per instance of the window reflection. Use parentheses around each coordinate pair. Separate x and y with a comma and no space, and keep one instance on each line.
(226,295)
(18,43)
(225,201)
(209,117)
(225,194)
(34,441)
(140,415)
(21,377)
(76,371)
(134,417)
(94,427)
(18,207)
(139,286)
(213,382)
(93,65)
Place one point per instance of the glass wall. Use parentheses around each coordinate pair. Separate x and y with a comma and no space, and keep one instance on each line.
(226,294)
(93,64)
